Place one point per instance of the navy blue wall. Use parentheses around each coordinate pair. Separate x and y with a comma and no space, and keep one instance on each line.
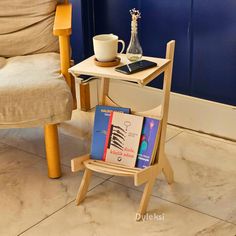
(205,34)
(77,40)
(214,50)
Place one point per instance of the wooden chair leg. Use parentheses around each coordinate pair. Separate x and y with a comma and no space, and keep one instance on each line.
(145,198)
(52,151)
(168,171)
(83,186)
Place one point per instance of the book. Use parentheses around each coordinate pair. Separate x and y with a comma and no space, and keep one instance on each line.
(148,143)
(101,120)
(123,137)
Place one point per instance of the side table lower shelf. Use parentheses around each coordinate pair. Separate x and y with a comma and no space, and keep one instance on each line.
(141,176)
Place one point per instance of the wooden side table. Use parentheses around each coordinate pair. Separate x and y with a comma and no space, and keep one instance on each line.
(141,176)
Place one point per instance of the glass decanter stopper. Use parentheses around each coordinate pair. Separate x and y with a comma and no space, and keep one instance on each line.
(134,51)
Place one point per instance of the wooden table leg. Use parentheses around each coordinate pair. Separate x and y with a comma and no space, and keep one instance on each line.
(162,160)
(104,90)
(83,186)
(145,198)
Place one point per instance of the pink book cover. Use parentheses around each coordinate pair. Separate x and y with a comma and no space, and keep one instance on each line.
(123,138)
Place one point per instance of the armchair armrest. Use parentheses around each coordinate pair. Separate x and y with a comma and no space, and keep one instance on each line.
(62,28)
(62,23)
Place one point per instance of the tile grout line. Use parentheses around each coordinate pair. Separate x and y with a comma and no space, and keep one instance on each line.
(21,149)
(205,135)
(31,152)
(45,159)
(175,203)
(32,226)
(41,157)
(174,136)
(211,137)
(53,213)
(109,180)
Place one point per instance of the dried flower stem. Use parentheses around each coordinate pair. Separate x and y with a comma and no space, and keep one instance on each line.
(136,14)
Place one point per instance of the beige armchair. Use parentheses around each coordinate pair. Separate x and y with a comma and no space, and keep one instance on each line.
(35,86)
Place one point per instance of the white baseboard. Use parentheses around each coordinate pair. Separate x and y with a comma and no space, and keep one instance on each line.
(185,111)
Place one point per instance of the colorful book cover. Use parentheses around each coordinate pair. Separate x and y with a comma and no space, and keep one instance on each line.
(101,120)
(148,142)
(123,137)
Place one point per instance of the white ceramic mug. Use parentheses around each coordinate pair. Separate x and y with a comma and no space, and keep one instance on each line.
(105,47)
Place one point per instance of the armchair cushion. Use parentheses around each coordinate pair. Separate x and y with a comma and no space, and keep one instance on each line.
(26,27)
(32,91)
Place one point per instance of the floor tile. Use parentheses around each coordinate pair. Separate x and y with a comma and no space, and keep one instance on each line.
(172,131)
(27,194)
(12,159)
(224,140)
(74,137)
(205,175)
(109,209)
(32,140)
(28,139)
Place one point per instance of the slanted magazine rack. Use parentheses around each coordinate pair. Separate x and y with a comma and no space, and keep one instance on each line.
(145,176)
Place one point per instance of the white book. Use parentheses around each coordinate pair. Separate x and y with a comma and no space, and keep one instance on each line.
(123,138)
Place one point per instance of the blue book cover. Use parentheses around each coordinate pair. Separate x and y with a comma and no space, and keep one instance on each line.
(101,121)
(148,141)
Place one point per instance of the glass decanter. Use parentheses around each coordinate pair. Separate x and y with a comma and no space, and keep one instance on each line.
(134,51)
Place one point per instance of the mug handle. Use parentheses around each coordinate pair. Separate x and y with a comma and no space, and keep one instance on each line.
(123,45)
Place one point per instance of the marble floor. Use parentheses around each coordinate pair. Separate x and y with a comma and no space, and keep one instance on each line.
(201,201)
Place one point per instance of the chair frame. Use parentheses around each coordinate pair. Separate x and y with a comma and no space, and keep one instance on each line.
(62,28)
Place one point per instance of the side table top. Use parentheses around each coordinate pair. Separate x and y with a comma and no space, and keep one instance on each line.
(88,67)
